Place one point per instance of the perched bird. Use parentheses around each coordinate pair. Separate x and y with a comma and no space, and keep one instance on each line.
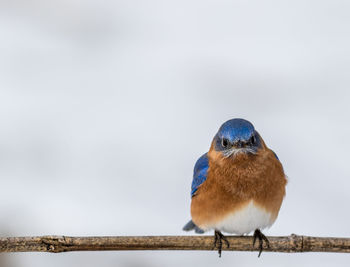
(238,186)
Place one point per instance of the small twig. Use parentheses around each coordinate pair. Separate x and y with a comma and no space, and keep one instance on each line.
(293,243)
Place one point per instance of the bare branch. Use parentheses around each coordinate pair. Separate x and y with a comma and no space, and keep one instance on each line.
(293,243)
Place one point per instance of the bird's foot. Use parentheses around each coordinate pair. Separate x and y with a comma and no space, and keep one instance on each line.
(218,237)
(258,234)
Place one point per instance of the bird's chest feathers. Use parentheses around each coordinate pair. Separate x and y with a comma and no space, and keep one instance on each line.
(243,176)
(239,194)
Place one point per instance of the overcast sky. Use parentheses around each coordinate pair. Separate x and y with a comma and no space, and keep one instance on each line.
(106,105)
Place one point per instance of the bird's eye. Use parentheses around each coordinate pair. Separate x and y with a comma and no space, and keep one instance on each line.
(224,142)
(253,140)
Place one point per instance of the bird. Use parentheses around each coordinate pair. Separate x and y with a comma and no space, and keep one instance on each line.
(238,186)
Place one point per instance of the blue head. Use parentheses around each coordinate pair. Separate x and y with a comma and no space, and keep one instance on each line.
(237,136)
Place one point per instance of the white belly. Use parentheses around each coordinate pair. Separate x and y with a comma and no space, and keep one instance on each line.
(245,220)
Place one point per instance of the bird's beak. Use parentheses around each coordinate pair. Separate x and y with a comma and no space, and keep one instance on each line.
(239,144)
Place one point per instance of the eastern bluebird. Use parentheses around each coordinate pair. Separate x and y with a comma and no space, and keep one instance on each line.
(238,186)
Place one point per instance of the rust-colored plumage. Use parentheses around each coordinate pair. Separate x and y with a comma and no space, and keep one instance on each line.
(234,182)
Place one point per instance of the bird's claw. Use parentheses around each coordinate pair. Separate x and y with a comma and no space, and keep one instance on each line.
(258,234)
(218,237)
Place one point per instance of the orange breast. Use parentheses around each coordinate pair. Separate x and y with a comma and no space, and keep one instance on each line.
(233,182)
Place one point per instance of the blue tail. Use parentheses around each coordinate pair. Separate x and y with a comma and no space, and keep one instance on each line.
(191,226)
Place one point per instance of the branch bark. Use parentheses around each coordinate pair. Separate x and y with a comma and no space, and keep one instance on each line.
(290,244)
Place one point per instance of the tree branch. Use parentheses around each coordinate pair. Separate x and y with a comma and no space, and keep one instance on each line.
(293,243)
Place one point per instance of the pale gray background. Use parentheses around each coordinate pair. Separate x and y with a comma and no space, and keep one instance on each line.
(106,105)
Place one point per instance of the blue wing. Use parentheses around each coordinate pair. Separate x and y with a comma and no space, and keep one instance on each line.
(275,154)
(199,173)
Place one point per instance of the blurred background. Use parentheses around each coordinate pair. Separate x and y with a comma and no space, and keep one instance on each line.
(106,105)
